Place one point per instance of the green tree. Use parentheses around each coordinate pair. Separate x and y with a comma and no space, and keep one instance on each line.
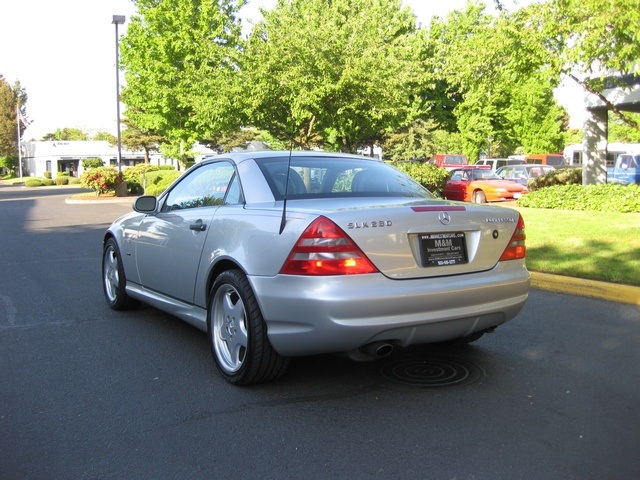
(420,140)
(589,40)
(412,142)
(135,138)
(498,109)
(334,74)
(105,136)
(10,98)
(67,134)
(9,163)
(180,63)
(620,131)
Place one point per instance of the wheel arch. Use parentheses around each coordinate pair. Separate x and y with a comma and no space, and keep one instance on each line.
(476,191)
(219,267)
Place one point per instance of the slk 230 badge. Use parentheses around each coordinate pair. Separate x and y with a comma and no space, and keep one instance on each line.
(372,224)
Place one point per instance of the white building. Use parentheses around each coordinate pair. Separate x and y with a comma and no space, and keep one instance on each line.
(67,156)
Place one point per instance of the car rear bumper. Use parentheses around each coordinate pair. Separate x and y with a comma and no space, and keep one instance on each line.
(312,315)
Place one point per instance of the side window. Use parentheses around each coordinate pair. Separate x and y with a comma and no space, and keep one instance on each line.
(234,192)
(204,187)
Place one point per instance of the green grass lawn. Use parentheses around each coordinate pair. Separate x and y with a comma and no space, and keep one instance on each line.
(586,244)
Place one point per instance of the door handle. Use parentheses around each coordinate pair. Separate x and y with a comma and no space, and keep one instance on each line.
(198,226)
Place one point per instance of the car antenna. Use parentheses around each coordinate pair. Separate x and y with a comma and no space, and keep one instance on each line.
(283,221)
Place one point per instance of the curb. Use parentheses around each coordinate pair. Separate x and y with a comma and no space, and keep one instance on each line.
(586,288)
(127,200)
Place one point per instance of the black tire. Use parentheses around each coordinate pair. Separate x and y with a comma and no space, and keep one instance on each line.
(114,280)
(479,197)
(238,335)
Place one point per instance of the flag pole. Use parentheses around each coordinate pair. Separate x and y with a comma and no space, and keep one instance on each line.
(19,140)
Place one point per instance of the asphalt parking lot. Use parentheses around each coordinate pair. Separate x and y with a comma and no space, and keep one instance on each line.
(92,393)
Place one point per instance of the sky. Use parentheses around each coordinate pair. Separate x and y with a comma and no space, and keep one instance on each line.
(63,54)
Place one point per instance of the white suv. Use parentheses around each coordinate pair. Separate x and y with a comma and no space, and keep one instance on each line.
(496,163)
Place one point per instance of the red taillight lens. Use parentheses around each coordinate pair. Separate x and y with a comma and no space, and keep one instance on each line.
(516,248)
(325,249)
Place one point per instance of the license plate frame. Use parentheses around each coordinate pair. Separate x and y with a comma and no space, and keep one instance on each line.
(443,249)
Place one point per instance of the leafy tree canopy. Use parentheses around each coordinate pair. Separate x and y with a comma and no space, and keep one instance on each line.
(10,98)
(589,40)
(336,74)
(505,99)
(135,138)
(179,58)
(106,137)
(66,134)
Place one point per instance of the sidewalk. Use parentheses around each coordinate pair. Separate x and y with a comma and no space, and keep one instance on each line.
(586,288)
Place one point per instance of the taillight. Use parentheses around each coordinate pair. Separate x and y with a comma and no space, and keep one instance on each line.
(325,249)
(516,248)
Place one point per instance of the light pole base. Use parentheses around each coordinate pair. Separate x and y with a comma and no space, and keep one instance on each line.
(121,189)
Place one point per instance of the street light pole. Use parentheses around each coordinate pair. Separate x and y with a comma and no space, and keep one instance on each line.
(118,20)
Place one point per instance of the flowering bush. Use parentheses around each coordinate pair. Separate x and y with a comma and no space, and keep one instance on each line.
(102,179)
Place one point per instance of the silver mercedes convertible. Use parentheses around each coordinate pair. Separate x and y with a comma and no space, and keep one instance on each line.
(283,254)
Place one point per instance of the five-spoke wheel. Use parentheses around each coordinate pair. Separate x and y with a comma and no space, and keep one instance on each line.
(238,333)
(113,278)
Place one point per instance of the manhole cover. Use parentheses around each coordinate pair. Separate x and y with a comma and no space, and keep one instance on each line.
(433,372)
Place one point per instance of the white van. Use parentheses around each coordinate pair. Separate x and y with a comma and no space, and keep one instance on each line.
(496,163)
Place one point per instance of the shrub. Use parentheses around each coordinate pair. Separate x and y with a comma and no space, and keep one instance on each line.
(430,176)
(33,182)
(158,182)
(47,182)
(62,180)
(92,163)
(605,198)
(102,179)
(134,177)
(561,176)
(74,181)
(47,174)
(62,174)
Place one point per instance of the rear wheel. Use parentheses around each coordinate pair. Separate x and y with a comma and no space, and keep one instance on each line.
(238,334)
(479,197)
(114,280)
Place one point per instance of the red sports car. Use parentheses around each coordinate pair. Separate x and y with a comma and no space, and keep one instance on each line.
(480,185)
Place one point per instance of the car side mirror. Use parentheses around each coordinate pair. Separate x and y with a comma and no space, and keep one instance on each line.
(145,204)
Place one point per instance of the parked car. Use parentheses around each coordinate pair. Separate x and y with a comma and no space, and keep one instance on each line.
(496,163)
(280,254)
(625,170)
(556,159)
(449,160)
(523,174)
(480,185)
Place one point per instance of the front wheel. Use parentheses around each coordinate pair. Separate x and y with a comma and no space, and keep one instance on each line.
(114,280)
(479,197)
(238,334)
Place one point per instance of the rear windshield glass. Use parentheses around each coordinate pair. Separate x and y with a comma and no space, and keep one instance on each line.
(326,177)
(455,159)
(555,159)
